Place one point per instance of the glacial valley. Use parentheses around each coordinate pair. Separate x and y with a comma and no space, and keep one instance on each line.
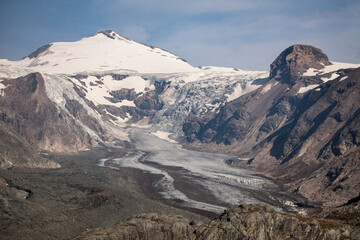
(99,130)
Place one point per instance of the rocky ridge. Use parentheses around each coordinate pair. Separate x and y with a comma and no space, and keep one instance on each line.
(242,222)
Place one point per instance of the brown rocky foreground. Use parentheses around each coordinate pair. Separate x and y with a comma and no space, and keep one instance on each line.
(255,221)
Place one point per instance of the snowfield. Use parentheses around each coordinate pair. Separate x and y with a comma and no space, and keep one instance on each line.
(104,51)
(307,88)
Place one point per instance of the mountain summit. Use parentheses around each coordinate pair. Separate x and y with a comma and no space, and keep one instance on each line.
(296,60)
(104,51)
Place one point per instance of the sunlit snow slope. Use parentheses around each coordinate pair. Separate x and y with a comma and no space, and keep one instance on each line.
(104,51)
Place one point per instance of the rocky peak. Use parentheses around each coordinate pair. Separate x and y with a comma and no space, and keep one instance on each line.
(109,33)
(38,51)
(296,60)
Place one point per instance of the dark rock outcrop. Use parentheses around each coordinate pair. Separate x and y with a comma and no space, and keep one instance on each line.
(149,101)
(124,94)
(39,51)
(296,60)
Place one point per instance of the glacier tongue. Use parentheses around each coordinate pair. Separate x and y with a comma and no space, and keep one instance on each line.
(207,170)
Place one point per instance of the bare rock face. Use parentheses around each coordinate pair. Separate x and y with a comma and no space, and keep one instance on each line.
(243,222)
(320,147)
(295,60)
(78,112)
(17,152)
(149,101)
(127,94)
(29,118)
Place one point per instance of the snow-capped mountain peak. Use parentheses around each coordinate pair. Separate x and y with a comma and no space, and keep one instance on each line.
(104,51)
(117,82)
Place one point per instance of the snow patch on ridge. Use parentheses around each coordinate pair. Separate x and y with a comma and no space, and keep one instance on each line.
(343,78)
(307,88)
(330,68)
(326,70)
(240,90)
(268,87)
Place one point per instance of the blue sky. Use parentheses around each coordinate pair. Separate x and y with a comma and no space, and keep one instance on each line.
(248,34)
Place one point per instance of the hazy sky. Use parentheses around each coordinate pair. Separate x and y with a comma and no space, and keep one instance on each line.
(247,34)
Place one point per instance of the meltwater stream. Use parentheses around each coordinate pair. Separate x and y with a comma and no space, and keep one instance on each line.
(228,185)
